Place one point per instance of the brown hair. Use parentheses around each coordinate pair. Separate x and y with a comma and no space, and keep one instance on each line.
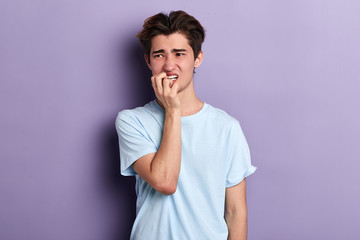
(176,21)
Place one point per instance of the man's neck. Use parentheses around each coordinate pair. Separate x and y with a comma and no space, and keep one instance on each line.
(190,103)
(188,109)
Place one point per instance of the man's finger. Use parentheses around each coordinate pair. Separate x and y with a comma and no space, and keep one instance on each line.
(158,83)
(167,85)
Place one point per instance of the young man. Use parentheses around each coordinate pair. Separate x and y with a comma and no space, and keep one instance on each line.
(189,158)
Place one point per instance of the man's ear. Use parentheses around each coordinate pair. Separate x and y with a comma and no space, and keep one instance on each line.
(199,59)
(147,60)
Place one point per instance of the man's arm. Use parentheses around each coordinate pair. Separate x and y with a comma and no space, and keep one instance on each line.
(236,211)
(161,169)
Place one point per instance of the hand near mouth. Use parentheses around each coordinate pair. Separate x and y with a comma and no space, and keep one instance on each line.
(166,90)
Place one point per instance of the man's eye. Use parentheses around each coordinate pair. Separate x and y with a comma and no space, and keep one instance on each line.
(179,54)
(158,55)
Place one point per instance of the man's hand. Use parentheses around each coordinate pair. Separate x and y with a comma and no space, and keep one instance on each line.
(166,92)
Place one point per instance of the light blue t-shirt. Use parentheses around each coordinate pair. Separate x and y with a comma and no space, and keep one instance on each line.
(214,156)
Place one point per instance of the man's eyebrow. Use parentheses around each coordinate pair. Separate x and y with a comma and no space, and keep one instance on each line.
(174,50)
(178,50)
(158,51)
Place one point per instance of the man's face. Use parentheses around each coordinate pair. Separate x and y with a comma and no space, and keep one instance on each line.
(173,55)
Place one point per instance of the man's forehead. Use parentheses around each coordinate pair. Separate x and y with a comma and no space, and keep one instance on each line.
(169,42)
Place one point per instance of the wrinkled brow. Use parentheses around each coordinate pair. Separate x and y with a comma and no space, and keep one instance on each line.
(158,51)
(178,50)
(173,50)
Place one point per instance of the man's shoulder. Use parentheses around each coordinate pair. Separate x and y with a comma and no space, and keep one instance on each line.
(147,109)
(140,115)
(222,116)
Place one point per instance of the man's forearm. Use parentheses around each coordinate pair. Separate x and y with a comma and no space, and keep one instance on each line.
(165,166)
(237,226)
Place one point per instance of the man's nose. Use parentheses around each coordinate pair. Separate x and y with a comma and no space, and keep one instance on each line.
(169,63)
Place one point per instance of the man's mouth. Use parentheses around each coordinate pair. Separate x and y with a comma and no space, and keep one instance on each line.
(172,77)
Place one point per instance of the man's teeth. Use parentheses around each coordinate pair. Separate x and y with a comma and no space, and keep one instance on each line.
(172,77)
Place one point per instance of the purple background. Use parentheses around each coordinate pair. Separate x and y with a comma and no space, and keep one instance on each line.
(288,70)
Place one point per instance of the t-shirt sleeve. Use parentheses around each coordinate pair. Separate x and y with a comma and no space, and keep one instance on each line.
(134,141)
(239,161)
